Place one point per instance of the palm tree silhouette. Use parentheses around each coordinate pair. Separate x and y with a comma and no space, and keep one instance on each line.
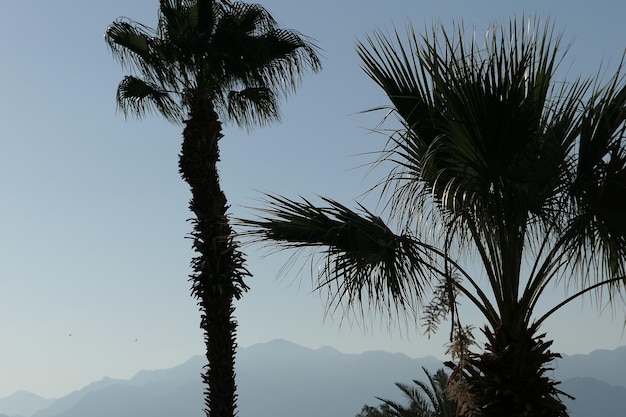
(205,62)
(498,168)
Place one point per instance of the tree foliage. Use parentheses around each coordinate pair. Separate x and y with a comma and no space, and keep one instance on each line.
(499,166)
(424,400)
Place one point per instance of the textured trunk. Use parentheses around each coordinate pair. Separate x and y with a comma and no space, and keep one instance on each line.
(218,269)
(509,377)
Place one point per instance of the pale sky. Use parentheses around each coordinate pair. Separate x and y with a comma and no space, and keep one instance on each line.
(93,252)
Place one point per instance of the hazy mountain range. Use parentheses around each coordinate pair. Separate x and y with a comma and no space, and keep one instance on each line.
(282,379)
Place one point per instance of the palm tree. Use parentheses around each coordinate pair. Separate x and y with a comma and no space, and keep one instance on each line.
(209,61)
(424,400)
(496,163)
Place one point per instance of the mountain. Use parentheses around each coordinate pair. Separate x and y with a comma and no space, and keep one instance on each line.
(23,403)
(181,374)
(166,392)
(127,400)
(594,397)
(283,379)
(64,403)
(602,364)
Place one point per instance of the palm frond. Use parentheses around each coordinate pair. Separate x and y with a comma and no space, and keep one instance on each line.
(424,400)
(397,69)
(252,106)
(597,231)
(363,260)
(282,56)
(138,48)
(138,97)
(129,42)
(274,57)
(249,18)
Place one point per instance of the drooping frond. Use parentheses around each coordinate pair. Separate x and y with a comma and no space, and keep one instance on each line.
(138,97)
(284,55)
(363,260)
(129,42)
(253,106)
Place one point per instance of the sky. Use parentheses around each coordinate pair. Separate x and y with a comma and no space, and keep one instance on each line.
(93,222)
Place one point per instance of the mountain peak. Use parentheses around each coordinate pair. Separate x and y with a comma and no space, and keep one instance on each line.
(276,346)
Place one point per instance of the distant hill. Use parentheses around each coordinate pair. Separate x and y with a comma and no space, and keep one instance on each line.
(282,379)
(66,402)
(604,365)
(594,398)
(23,403)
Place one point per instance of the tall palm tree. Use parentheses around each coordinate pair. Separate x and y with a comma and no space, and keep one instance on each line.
(425,400)
(497,163)
(205,62)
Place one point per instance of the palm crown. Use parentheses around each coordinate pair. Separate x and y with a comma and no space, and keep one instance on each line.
(495,160)
(501,153)
(230,52)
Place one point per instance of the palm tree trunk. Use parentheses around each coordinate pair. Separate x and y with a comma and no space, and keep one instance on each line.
(218,270)
(509,377)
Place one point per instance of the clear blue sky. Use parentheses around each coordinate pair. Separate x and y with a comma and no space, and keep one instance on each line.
(93,216)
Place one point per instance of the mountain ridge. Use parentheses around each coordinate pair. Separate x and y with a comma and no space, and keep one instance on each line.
(23,403)
(282,378)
